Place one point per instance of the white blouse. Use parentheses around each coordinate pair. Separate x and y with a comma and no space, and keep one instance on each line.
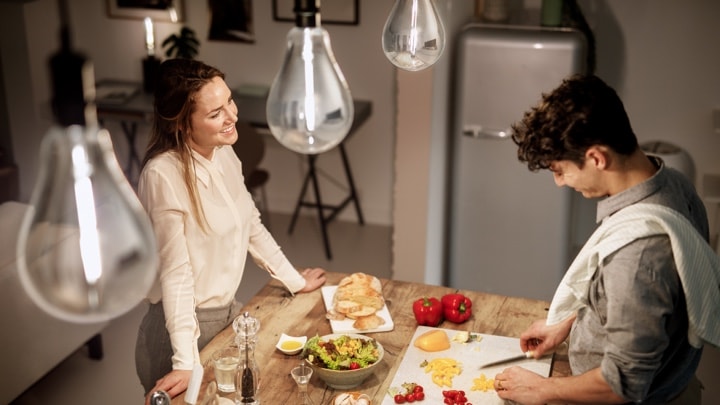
(204,269)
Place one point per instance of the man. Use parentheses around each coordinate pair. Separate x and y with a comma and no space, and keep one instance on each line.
(635,334)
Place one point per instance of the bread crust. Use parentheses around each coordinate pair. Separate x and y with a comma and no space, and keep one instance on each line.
(359,296)
(368,322)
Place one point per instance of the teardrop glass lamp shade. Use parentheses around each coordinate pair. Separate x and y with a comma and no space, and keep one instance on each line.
(86,250)
(414,36)
(309,107)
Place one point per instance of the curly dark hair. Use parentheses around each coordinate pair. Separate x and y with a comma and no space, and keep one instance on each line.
(582,112)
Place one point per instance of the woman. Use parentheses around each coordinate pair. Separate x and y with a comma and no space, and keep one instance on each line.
(205,223)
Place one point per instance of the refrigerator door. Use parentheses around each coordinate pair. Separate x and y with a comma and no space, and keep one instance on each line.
(509,228)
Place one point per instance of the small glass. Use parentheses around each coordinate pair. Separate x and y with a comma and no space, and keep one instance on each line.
(301,374)
(225,364)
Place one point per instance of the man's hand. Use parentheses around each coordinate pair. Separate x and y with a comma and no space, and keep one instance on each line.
(174,383)
(525,387)
(519,385)
(541,338)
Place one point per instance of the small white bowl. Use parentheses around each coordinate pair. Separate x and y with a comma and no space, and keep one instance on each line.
(291,345)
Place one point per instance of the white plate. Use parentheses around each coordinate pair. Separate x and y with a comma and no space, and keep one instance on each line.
(346,325)
(471,355)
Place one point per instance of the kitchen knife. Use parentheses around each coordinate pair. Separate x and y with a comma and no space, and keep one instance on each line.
(527,355)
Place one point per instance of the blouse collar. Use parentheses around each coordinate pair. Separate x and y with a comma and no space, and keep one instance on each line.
(204,166)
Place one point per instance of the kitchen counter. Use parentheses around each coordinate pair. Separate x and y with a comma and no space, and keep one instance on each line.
(304,314)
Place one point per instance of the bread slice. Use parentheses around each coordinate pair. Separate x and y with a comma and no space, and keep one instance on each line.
(345,306)
(361,295)
(368,322)
(363,311)
(362,279)
(358,295)
(334,315)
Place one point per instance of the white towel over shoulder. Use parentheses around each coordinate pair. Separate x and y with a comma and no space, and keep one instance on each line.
(697,264)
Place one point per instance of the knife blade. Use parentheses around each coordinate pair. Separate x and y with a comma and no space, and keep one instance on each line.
(527,355)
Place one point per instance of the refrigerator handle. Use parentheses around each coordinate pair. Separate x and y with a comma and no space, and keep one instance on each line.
(477,131)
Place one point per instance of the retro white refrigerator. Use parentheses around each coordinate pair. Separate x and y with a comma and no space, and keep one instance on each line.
(509,228)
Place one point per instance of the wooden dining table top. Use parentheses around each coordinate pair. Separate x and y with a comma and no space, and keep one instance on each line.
(303,314)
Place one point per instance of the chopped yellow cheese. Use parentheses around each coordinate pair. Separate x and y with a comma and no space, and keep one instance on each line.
(462,337)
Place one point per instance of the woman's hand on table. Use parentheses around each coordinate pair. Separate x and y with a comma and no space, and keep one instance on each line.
(174,383)
(314,279)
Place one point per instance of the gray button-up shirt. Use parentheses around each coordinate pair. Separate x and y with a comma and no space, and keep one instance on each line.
(635,328)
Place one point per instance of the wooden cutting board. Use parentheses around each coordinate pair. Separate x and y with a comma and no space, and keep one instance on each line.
(470,355)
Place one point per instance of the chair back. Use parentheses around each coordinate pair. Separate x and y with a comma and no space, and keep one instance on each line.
(250,147)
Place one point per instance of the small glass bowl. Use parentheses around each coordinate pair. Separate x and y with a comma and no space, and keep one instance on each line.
(291,345)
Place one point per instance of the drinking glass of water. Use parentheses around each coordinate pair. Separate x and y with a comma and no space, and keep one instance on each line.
(225,363)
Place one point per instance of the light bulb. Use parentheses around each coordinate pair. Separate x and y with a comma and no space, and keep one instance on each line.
(309,107)
(86,248)
(413,37)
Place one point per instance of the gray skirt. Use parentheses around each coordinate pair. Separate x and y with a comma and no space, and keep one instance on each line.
(153,350)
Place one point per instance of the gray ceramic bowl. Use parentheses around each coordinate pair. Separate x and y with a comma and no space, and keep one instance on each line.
(346,379)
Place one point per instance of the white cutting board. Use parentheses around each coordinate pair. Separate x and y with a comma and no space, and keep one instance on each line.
(346,325)
(471,355)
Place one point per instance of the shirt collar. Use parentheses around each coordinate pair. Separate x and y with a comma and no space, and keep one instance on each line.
(204,166)
(635,194)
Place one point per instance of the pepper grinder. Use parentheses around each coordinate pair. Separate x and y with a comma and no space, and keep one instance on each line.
(160,398)
(247,378)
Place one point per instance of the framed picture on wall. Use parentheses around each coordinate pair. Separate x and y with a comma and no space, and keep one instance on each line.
(345,12)
(158,10)
(231,20)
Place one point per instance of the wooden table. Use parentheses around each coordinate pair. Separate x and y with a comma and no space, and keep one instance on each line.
(304,314)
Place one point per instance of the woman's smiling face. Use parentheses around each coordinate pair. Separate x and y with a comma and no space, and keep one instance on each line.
(213,119)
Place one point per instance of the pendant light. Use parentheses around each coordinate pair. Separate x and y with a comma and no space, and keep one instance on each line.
(413,37)
(86,249)
(309,107)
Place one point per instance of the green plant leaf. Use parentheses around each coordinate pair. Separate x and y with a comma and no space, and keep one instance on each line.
(184,45)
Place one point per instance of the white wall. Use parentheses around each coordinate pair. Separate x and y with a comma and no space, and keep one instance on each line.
(116,46)
(661,56)
(421,158)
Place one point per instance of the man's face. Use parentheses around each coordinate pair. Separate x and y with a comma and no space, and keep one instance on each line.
(584,179)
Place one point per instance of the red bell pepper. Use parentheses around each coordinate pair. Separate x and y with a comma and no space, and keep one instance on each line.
(428,311)
(457,308)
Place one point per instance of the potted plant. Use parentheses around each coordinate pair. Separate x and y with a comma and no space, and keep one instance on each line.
(185,45)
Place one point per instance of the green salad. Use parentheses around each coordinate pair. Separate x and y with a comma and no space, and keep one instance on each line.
(341,353)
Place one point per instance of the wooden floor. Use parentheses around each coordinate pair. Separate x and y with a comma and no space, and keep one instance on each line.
(111,381)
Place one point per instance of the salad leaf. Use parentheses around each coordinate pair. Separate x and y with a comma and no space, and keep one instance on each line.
(341,352)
